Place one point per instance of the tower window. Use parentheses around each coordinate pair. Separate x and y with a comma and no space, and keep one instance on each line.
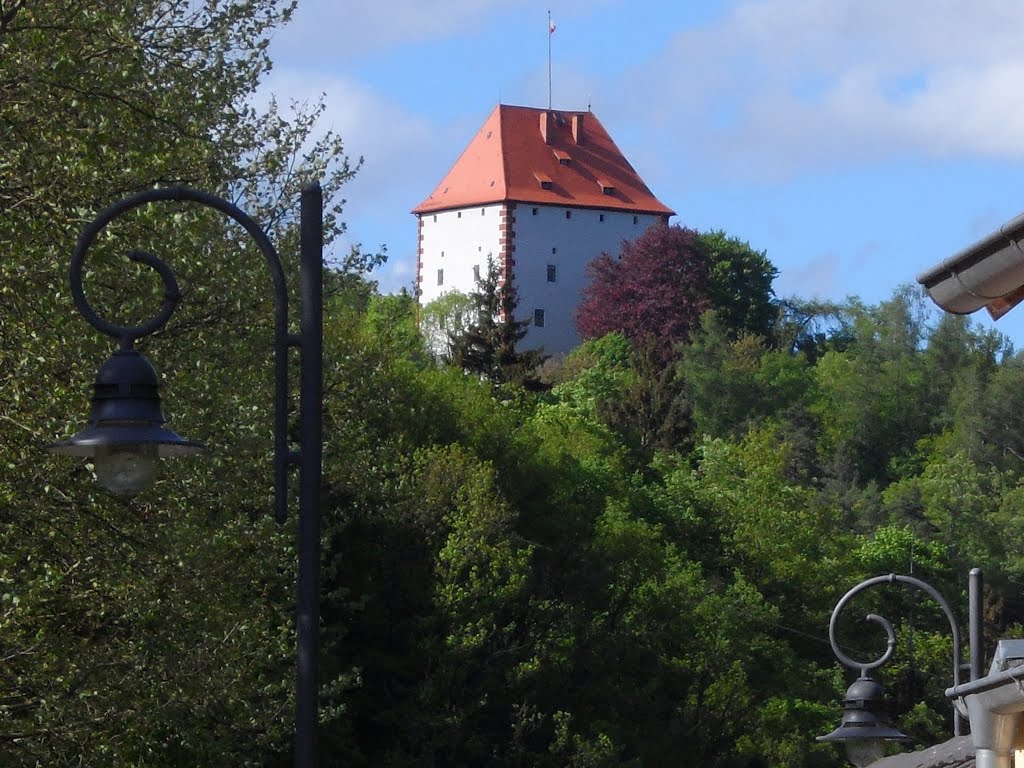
(476,271)
(440,277)
(538,318)
(535,210)
(554,249)
(483,211)
(636,219)
(435,218)
(568,214)
(459,216)
(600,217)
(552,273)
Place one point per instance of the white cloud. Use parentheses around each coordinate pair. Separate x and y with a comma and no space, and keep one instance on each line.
(779,86)
(764,90)
(393,143)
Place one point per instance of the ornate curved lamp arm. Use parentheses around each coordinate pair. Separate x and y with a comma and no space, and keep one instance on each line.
(127,335)
(891,579)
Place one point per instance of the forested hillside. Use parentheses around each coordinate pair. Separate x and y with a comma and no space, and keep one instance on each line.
(631,562)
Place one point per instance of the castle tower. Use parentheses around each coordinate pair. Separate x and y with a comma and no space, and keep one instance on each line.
(542,193)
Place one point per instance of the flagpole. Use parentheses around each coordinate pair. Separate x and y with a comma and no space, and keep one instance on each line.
(549,60)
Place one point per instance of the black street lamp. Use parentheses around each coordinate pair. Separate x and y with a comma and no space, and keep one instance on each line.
(865,725)
(125,434)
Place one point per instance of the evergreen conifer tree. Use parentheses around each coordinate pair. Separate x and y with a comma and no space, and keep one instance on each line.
(487,346)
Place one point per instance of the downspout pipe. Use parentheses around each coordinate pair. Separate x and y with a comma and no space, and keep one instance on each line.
(993,705)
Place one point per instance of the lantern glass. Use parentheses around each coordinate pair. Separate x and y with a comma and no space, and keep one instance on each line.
(126,470)
(864,752)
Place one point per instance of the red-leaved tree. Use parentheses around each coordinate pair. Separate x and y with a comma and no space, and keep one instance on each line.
(653,293)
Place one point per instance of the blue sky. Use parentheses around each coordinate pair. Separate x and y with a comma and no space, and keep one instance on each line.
(857,142)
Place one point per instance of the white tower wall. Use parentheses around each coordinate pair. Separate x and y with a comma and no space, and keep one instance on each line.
(547,247)
(566,239)
(453,243)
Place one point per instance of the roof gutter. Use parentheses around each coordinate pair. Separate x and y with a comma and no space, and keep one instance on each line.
(989,273)
(993,704)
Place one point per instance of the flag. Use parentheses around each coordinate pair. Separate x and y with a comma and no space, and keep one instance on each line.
(551,27)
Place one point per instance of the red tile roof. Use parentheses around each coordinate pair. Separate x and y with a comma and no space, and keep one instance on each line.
(509,159)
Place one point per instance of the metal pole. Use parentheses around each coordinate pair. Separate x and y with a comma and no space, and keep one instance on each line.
(311,451)
(549,60)
(975,630)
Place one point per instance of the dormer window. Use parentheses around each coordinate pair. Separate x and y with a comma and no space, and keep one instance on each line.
(543,179)
(562,156)
(606,187)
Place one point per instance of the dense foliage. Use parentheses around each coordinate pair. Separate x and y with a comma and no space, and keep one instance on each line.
(634,567)
(656,288)
(150,631)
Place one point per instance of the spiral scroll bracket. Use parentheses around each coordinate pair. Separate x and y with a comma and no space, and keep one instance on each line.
(127,334)
(864,666)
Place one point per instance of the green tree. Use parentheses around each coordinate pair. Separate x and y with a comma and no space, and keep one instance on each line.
(487,345)
(443,319)
(596,375)
(731,384)
(631,389)
(154,630)
(739,284)
(865,395)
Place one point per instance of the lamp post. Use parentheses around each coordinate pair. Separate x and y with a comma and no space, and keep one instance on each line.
(125,433)
(865,725)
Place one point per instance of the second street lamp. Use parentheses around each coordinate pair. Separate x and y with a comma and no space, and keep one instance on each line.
(125,435)
(865,725)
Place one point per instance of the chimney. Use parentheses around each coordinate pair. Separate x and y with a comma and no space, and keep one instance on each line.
(545,126)
(577,128)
